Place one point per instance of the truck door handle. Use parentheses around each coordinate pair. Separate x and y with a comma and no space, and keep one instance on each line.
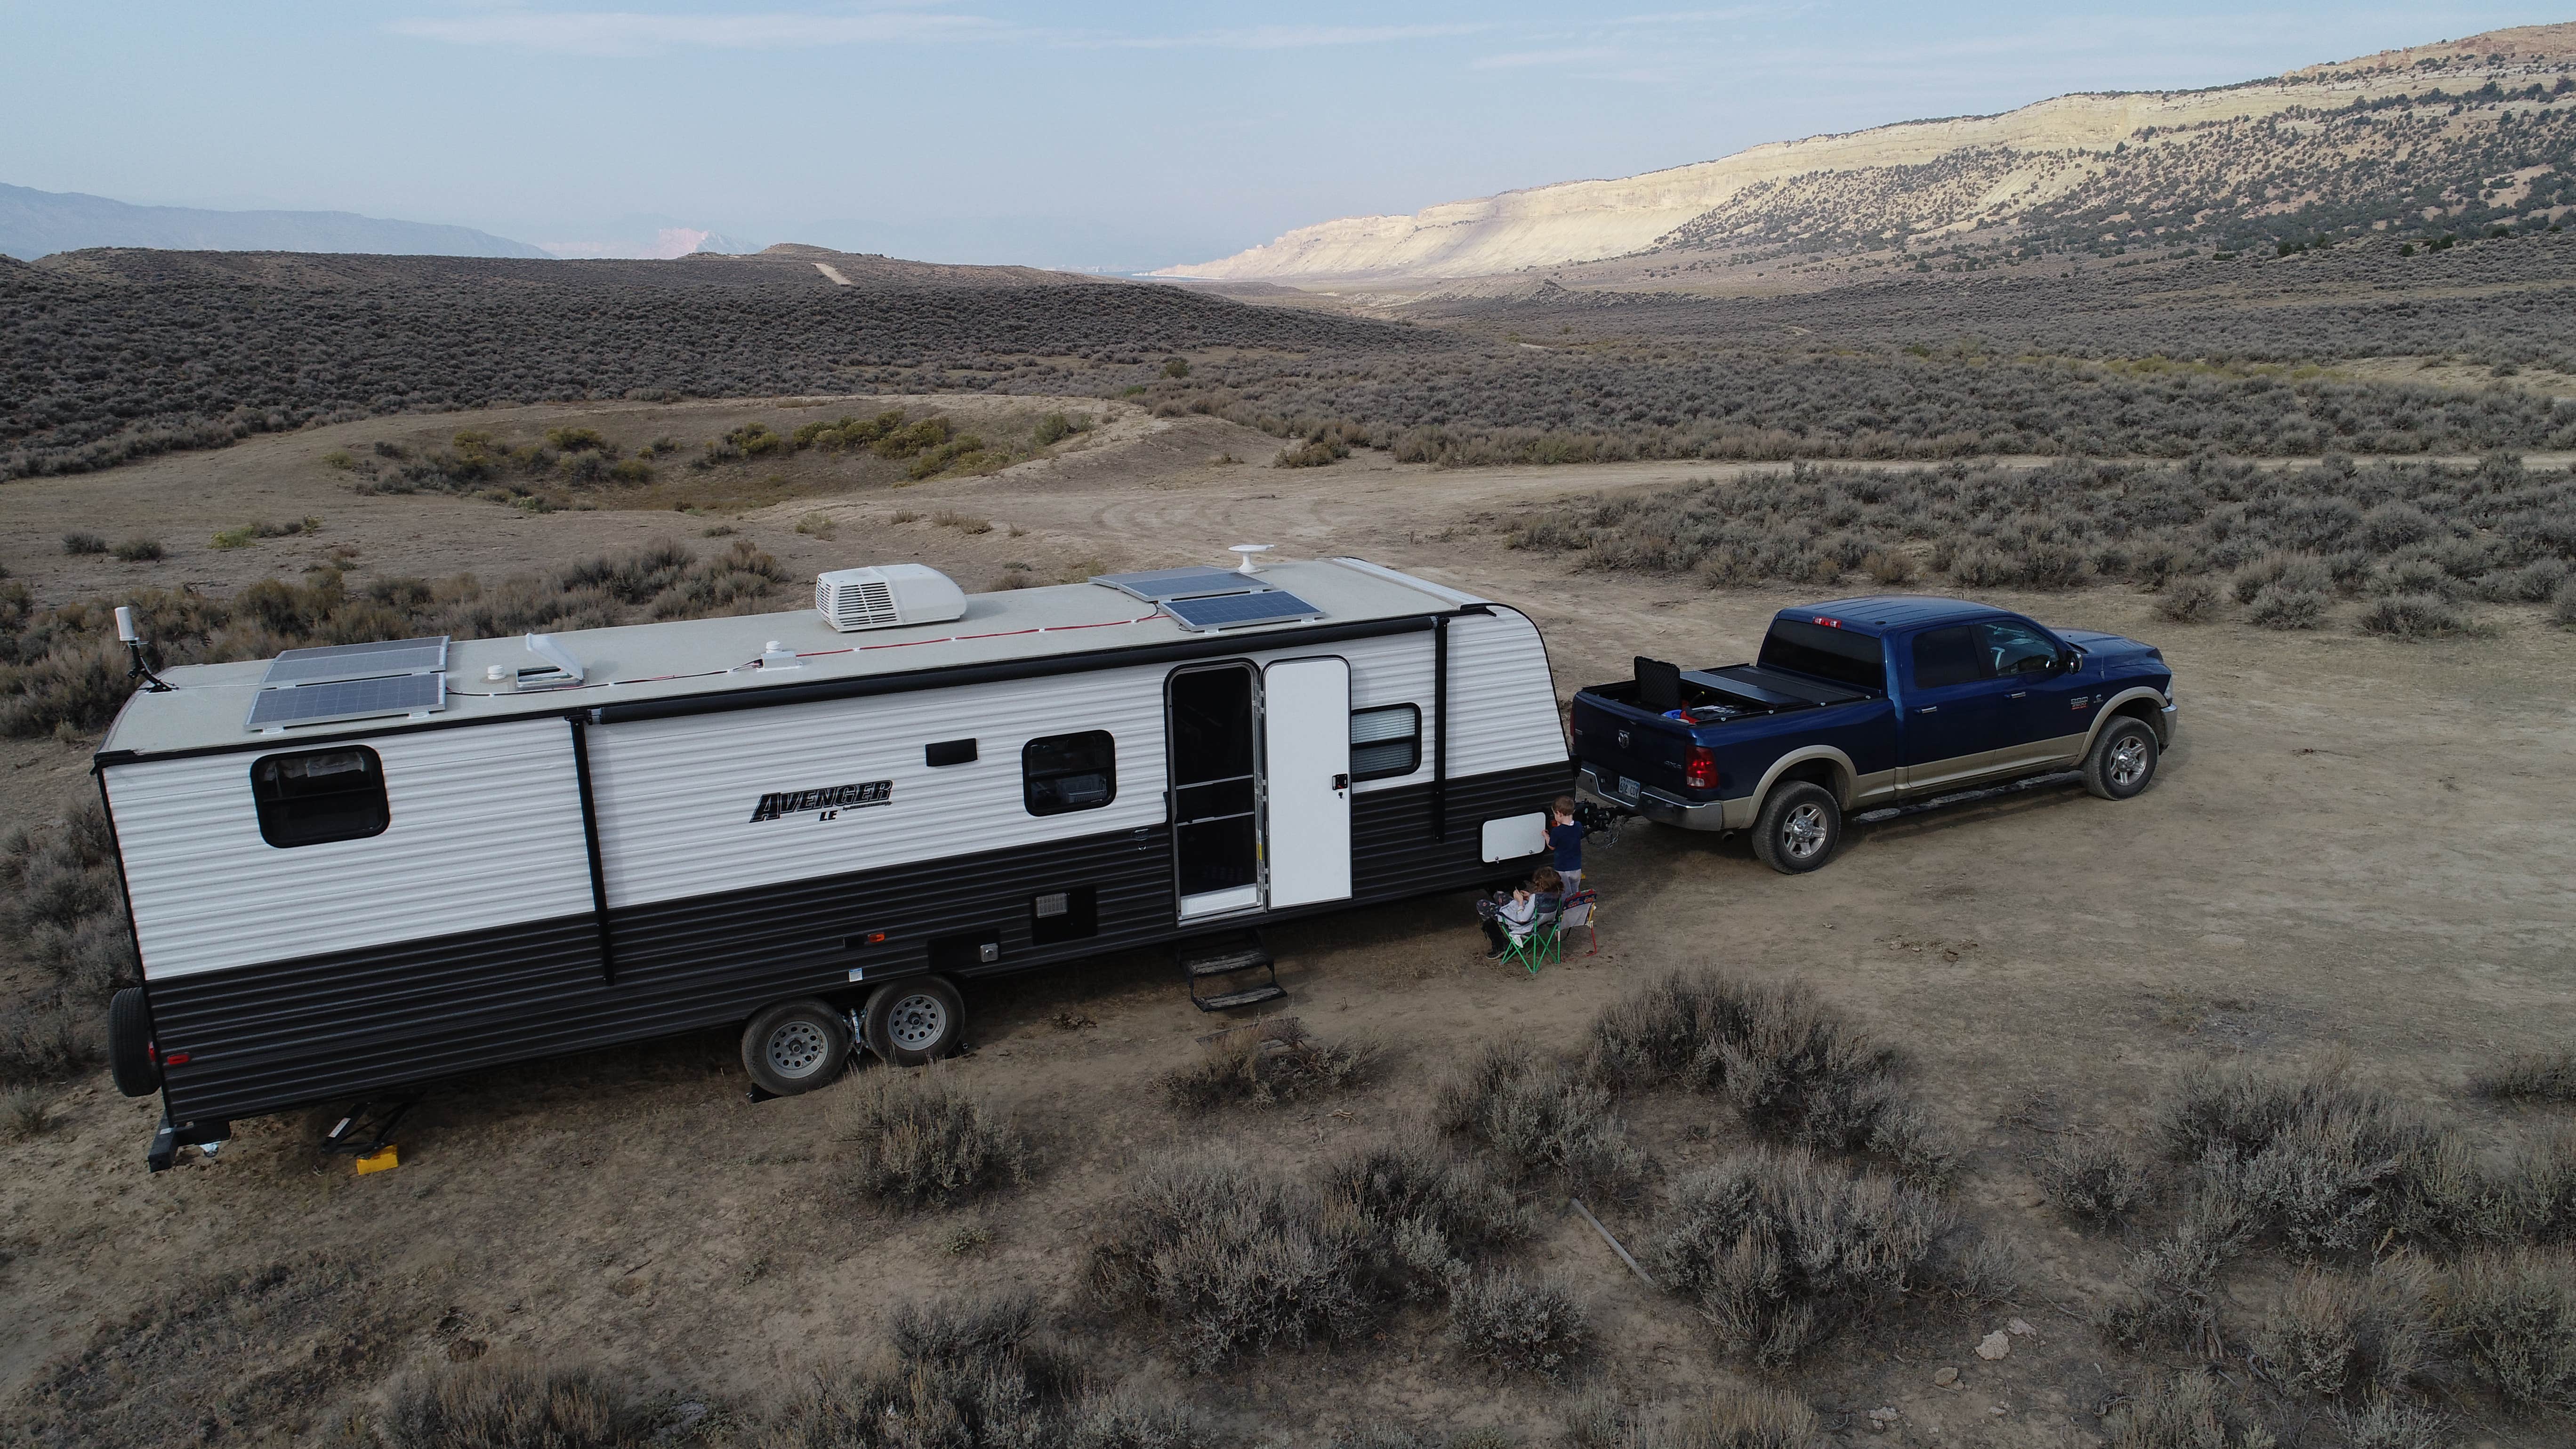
(1929,709)
(2018,694)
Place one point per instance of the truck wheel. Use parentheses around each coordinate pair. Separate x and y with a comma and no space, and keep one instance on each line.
(795,1047)
(129,1044)
(2123,760)
(1799,828)
(915,1022)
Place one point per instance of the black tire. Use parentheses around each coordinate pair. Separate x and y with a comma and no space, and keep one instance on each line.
(2123,759)
(915,1021)
(795,1047)
(129,1044)
(1799,829)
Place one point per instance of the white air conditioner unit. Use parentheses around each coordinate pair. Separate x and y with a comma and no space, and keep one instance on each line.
(890,594)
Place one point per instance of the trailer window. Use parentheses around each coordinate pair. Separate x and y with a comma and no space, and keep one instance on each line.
(319,796)
(1825,652)
(1386,742)
(1062,773)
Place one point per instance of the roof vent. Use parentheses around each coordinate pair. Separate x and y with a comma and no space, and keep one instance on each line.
(887,595)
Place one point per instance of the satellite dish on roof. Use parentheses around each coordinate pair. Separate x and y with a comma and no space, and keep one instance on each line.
(1251,554)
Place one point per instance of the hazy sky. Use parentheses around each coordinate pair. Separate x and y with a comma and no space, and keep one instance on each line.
(1121,136)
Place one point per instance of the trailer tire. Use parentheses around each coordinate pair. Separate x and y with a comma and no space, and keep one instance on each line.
(2122,762)
(914,1022)
(795,1047)
(1799,829)
(129,1044)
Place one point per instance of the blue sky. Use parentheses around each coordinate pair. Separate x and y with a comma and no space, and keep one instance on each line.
(1117,136)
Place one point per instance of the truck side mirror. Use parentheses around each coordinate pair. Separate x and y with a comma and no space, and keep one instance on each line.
(2069,662)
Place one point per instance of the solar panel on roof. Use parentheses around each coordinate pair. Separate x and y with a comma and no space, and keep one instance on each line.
(357,661)
(1235,611)
(1156,585)
(340,699)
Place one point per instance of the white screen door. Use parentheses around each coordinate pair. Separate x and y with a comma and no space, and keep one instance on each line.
(1306,738)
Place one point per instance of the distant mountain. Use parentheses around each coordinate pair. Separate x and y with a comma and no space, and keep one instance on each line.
(2466,133)
(38,223)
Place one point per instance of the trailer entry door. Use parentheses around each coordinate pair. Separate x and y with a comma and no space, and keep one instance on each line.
(1306,731)
(1216,790)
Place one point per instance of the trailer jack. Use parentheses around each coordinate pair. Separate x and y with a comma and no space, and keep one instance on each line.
(367,1129)
(164,1151)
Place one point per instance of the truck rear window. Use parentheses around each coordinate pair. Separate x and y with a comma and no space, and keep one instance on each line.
(1826,653)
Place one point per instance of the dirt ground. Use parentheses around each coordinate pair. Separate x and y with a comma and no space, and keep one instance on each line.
(2355,846)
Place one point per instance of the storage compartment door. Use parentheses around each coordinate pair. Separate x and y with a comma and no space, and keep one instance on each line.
(1306,734)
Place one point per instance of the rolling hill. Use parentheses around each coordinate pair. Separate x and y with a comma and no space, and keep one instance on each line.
(2465,134)
(39,223)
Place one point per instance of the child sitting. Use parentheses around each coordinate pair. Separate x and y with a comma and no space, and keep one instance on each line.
(1510,920)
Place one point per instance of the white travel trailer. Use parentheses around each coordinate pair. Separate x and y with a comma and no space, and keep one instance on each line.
(354,870)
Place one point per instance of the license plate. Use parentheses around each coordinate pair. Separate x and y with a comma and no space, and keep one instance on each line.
(1627,788)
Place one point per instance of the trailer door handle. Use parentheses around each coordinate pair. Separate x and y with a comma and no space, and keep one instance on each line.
(1341,782)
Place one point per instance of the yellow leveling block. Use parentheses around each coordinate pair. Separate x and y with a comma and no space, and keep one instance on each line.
(380,1160)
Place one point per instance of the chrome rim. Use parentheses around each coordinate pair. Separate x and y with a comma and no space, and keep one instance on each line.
(915,1022)
(2129,761)
(798,1048)
(1803,833)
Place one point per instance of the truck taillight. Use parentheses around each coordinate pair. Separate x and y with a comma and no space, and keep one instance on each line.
(1699,768)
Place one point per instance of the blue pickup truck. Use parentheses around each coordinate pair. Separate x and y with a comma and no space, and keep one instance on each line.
(1866,703)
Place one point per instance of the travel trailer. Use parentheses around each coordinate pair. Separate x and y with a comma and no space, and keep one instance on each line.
(356,870)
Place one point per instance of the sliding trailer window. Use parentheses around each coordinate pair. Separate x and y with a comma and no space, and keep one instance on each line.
(1063,773)
(318,796)
(1386,742)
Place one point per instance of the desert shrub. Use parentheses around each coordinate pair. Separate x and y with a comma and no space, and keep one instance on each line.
(25,1112)
(1055,427)
(1519,1326)
(1975,1271)
(2185,1410)
(2415,616)
(1428,1215)
(2099,1181)
(2330,1167)
(1543,1117)
(2350,1337)
(577,440)
(2279,606)
(80,541)
(2513,1320)
(2167,1296)
(2298,573)
(2562,605)
(632,577)
(965,523)
(915,1140)
(1790,1066)
(1227,1260)
(1127,1421)
(1176,367)
(2530,1076)
(817,525)
(1779,1250)
(2188,601)
(736,581)
(1279,1063)
(2536,1195)
(140,550)
(45,1039)
(1751,1418)
(483,1406)
(234,537)
(2382,1422)
(1313,453)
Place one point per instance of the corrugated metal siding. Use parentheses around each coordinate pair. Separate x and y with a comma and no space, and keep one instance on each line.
(484,831)
(1502,701)
(1393,854)
(675,796)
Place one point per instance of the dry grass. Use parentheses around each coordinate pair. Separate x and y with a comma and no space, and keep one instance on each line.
(1544,1118)
(25,1113)
(1793,1068)
(2185,1410)
(1280,1062)
(915,1140)
(1752,1418)
(1519,1327)
(2098,1181)
(2513,1319)
(1781,1250)
(484,1406)
(2530,1077)
(2350,1337)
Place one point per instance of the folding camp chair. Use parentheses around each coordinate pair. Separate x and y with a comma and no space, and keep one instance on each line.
(1533,950)
(1580,910)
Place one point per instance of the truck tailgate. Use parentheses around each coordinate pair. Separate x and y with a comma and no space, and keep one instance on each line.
(1621,741)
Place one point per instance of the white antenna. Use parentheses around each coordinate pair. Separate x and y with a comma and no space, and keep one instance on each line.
(1251,553)
(125,625)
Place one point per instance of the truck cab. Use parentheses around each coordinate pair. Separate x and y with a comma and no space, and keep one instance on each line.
(1864,703)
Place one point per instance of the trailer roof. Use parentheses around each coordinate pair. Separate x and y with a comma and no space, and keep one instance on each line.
(208,704)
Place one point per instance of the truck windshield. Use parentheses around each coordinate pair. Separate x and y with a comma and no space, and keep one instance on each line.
(1826,653)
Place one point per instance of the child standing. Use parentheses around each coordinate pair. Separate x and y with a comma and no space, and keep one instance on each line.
(1566,839)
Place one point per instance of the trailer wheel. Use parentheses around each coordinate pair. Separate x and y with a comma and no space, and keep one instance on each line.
(795,1047)
(913,1022)
(129,1044)
(1799,828)
(2122,761)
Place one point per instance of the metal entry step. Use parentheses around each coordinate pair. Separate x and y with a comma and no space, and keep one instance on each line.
(1224,962)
